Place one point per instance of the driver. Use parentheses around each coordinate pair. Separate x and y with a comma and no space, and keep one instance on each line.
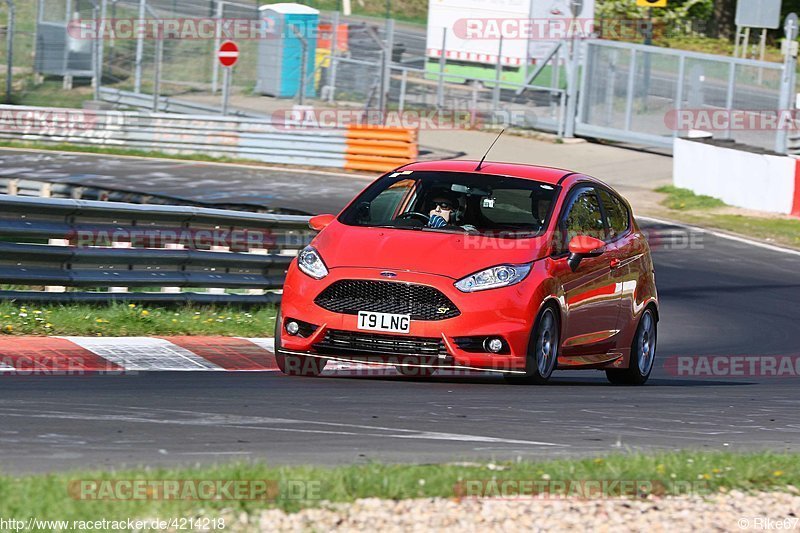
(442,210)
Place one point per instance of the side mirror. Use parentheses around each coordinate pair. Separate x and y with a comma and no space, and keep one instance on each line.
(320,222)
(583,246)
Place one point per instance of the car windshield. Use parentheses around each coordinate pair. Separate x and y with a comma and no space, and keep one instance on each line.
(456,202)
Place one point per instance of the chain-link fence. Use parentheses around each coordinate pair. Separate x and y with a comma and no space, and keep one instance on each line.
(637,93)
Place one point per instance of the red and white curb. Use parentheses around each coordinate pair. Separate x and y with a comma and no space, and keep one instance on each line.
(116,355)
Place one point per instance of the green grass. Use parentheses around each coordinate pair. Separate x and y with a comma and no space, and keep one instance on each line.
(134,320)
(686,206)
(684,199)
(46,496)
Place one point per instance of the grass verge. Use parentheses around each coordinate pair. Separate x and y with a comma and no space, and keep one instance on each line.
(119,320)
(686,206)
(50,497)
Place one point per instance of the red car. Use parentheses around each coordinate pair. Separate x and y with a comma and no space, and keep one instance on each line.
(502,267)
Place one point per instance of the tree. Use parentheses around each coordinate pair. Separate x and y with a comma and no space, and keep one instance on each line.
(724,23)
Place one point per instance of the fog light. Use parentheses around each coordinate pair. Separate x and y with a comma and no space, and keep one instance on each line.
(494,345)
(292,328)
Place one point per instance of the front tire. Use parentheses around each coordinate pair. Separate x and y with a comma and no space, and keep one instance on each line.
(643,354)
(295,365)
(543,349)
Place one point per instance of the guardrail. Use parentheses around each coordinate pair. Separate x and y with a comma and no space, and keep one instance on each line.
(375,148)
(92,251)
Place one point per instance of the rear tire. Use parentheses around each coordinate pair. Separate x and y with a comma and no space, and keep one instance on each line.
(643,354)
(295,365)
(543,349)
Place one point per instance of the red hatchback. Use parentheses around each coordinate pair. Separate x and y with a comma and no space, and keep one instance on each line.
(450,264)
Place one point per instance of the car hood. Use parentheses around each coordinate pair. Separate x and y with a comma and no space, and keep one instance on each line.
(447,254)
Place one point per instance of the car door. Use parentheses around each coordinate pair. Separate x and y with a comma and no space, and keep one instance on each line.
(591,296)
(626,252)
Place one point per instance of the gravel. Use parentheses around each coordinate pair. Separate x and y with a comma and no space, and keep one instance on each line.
(732,511)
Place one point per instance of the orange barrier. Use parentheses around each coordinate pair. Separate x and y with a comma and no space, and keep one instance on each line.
(379,148)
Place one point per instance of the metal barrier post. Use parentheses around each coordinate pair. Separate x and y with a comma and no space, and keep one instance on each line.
(630,96)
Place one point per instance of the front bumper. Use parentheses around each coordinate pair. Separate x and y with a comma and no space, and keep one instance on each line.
(506,312)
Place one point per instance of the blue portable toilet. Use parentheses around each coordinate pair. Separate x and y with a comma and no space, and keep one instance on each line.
(280,49)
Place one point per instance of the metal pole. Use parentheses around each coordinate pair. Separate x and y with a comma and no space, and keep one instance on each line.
(10,50)
(440,84)
(498,72)
(403,83)
(226,74)
(97,44)
(217,42)
(101,29)
(572,89)
(332,63)
(137,75)
(787,81)
(387,66)
(67,76)
(729,95)
(631,97)
(303,60)
(157,74)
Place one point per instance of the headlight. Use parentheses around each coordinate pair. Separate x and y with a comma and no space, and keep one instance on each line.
(311,263)
(491,278)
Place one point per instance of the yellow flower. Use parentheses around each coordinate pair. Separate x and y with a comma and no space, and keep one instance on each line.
(48,325)
(777,473)
(174,320)
(100,321)
(145,312)
(195,317)
(598,460)
(661,469)
(716,470)
(9,328)
(131,305)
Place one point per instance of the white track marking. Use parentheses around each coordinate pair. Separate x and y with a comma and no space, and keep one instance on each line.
(256,423)
(268,343)
(721,235)
(143,353)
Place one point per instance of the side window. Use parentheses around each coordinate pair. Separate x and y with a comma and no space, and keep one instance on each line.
(584,217)
(617,214)
(384,207)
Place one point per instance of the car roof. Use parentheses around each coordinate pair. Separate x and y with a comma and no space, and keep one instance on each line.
(517,170)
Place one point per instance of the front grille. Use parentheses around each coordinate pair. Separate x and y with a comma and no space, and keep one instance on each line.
(421,302)
(337,342)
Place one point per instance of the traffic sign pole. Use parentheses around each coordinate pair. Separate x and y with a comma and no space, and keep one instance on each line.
(226,79)
(227,54)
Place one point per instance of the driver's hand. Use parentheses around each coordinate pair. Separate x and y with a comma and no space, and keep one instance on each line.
(437,221)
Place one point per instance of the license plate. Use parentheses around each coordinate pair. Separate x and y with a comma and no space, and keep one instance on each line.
(384,322)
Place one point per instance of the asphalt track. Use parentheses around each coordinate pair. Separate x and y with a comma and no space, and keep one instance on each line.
(719,297)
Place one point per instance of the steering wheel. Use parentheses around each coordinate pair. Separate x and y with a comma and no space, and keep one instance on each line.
(413,214)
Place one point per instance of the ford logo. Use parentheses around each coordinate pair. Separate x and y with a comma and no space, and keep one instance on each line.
(388,274)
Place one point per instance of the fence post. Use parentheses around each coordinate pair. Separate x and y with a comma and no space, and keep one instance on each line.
(217,42)
(67,82)
(10,50)
(442,59)
(157,73)
(97,45)
(572,89)
(498,72)
(388,44)
(788,78)
(332,64)
(137,76)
